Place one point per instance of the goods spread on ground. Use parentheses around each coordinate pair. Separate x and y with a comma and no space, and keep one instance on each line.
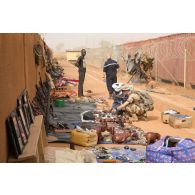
(89,122)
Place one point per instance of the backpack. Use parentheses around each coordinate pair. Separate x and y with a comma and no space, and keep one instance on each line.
(146,99)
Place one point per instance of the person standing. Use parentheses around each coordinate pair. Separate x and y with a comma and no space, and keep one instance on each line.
(110,68)
(81,64)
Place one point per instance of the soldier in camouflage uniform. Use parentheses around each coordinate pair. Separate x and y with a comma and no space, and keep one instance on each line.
(137,104)
(135,107)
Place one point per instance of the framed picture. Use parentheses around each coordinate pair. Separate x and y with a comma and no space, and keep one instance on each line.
(21,115)
(26,100)
(19,101)
(16,132)
(13,146)
(22,131)
(26,115)
(32,116)
(24,96)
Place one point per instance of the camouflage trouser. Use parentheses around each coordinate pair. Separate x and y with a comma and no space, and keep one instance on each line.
(135,109)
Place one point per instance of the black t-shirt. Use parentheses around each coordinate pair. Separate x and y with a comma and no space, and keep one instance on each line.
(81,63)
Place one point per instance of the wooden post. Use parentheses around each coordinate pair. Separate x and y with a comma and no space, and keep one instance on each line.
(156,68)
(185,69)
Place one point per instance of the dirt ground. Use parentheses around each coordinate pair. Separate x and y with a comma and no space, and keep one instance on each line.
(94,81)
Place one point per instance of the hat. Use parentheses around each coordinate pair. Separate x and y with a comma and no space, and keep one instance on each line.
(117,86)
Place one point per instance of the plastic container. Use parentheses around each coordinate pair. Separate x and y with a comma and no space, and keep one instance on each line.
(59,103)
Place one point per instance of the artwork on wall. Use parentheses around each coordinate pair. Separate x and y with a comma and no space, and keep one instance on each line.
(21,115)
(15,131)
(18,124)
(13,145)
(22,131)
(26,101)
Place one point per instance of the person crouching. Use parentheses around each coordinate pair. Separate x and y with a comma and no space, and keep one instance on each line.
(133,106)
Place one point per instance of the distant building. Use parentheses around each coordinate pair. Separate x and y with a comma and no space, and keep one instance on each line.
(72,55)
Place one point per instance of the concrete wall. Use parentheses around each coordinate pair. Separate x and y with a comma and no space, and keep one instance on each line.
(17,72)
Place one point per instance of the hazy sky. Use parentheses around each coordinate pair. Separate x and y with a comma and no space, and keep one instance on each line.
(91,40)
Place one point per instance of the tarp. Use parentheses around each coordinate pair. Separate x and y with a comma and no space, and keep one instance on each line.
(70,113)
